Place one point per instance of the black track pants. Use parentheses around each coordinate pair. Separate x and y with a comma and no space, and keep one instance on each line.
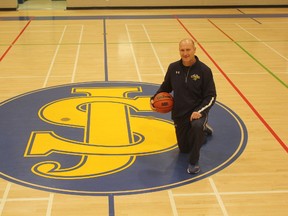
(190,137)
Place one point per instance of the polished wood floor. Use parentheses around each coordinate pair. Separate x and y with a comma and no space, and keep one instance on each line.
(249,59)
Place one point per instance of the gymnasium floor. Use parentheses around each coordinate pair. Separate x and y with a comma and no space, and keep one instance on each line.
(56,161)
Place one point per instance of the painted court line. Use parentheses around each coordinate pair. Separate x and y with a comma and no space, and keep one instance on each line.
(29,77)
(54,58)
(77,55)
(154,50)
(113,17)
(50,204)
(154,74)
(285,147)
(5,196)
(249,54)
(263,174)
(26,199)
(218,196)
(271,48)
(15,40)
(251,17)
(133,53)
(111,202)
(172,203)
(105,51)
(232,193)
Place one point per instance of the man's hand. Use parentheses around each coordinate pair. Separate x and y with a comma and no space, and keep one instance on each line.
(151,105)
(195,115)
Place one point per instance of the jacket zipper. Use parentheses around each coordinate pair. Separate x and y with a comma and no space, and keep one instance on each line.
(187,74)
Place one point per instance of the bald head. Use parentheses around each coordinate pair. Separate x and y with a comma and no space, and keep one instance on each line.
(187,50)
(186,41)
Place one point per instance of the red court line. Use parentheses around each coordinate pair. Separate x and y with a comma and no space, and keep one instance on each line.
(15,40)
(238,90)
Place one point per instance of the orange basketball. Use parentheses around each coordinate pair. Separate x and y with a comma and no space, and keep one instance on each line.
(163,102)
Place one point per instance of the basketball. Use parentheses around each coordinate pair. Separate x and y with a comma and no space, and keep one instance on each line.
(163,102)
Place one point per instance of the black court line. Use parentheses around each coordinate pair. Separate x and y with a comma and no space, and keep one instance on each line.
(251,18)
(181,16)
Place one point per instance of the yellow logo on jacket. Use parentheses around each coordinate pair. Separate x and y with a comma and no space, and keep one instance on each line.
(195,77)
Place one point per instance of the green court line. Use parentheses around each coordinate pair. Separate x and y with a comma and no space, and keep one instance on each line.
(231,40)
(262,65)
(249,54)
(143,42)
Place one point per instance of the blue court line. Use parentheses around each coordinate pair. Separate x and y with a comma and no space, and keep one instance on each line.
(111,205)
(181,16)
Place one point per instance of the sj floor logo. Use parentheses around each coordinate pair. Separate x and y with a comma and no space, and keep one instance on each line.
(102,138)
(112,138)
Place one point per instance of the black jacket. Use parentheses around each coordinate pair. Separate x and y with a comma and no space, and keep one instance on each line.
(193,88)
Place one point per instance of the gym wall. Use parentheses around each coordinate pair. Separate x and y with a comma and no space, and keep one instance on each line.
(8,4)
(79,4)
(169,3)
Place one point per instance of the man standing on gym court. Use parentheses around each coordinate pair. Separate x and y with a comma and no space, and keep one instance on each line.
(194,94)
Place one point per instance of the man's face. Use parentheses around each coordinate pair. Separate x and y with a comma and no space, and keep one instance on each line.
(187,50)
